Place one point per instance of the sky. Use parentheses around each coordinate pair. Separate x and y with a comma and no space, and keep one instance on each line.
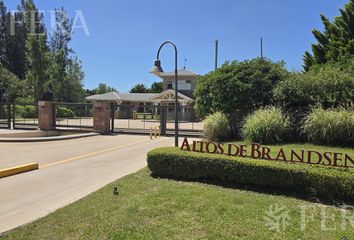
(123,36)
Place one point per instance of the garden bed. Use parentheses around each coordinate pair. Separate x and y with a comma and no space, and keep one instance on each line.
(326,183)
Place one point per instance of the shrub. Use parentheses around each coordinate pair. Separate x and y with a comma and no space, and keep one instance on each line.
(269,125)
(63,112)
(30,112)
(238,85)
(333,126)
(325,85)
(12,85)
(216,127)
(323,182)
(27,111)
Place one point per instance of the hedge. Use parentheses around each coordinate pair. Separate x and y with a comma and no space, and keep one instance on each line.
(27,111)
(327,183)
(63,112)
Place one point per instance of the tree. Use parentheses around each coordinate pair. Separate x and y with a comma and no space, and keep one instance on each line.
(74,91)
(59,44)
(139,88)
(24,51)
(336,42)
(156,87)
(104,88)
(38,58)
(238,86)
(16,43)
(37,51)
(11,84)
(3,35)
(326,85)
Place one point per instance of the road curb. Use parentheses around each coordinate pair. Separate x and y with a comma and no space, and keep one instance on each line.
(46,139)
(6,172)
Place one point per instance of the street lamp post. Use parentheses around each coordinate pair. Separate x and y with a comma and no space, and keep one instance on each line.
(157,70)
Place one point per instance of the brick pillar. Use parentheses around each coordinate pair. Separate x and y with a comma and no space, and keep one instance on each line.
(101,117)
(46,115)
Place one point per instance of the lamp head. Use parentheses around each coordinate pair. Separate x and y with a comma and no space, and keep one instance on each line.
(157,69)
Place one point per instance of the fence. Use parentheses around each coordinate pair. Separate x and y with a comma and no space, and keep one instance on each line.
(144,117)
(25,116)
(187,119)
(73,116)
(18,115)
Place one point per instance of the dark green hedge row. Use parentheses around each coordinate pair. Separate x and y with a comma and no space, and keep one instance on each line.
(322,182)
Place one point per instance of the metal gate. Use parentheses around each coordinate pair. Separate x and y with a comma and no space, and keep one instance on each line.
(73,116)
(25,115)
(18,115)
(140,118)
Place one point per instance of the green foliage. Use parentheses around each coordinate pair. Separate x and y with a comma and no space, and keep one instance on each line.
(27,53)
(74,91)
(3,35)
(63,112)
(66,70)
(330,127)
(336,42)
(38,58)
(238,86)
(269,125)
(13,43)
(216,127)
(156,87)
(11,84)
(152,208)
(326,85)
(322,182)
(139,88)
(26,111)
(101,89)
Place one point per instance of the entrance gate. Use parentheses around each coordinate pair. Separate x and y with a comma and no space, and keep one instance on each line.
(73,116)
(25,116)
(142,118)
(18,115)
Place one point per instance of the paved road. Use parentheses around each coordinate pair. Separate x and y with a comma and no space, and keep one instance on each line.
(69,170)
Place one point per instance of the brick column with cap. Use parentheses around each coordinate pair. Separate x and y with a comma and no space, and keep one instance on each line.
(101,117)
(46,115)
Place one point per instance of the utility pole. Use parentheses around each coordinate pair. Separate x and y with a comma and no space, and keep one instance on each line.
(261,48)
(262,91)
(216,53)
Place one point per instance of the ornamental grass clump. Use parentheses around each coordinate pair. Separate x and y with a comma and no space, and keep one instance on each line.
(268,125)
(329,127)
(216,127)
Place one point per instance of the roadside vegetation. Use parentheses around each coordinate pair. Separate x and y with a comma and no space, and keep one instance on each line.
(265,102)
(307,180)
(152,208)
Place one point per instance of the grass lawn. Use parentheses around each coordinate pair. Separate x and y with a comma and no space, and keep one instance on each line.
(150,208)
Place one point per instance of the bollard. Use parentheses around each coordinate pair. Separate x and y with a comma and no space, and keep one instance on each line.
(151,133)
